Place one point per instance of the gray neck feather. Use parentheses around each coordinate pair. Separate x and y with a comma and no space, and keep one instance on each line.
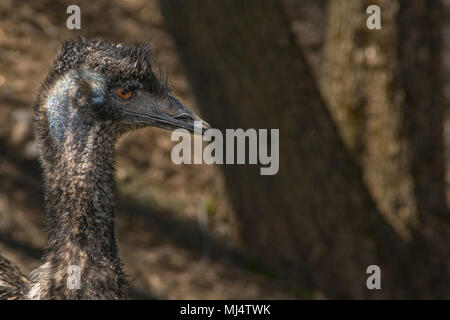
(79,191)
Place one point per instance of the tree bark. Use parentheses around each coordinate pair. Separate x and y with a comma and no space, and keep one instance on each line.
(314,221)
(359,85)
(420,80)
(384,90)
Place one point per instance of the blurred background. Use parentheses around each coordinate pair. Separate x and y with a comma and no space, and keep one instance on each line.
(364,146)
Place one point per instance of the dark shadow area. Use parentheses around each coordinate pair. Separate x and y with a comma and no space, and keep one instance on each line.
(137,294)
(26,249)
(186,233)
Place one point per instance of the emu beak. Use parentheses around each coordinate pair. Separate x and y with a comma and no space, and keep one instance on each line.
(185,118)
(170,114)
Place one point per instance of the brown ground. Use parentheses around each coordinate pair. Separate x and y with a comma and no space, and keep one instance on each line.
(174,224)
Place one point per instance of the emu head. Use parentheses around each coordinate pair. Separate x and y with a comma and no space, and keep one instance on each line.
(94,81)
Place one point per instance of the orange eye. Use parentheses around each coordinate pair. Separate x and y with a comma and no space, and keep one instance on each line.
(124,93)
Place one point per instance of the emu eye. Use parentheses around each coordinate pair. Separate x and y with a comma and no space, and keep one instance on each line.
(124,93)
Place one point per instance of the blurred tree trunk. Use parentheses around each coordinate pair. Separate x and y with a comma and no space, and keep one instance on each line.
(383,89)
(314,221)
(358,82)
(420,81)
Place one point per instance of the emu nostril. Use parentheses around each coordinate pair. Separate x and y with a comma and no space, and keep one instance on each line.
(184,116)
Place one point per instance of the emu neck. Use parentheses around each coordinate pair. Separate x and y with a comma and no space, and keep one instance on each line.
(79,180)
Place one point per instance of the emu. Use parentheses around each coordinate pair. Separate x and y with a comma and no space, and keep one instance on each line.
(95,92)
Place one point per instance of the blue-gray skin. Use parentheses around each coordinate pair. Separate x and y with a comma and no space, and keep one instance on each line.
(78,118)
